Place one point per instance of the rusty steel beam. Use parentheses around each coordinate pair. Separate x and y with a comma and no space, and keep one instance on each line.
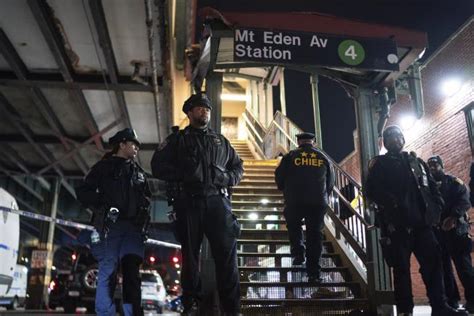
(45,19)
(14,60)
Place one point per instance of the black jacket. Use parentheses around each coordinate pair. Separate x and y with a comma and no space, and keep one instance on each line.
(471,184)
(305,176)
(116,182)
(404,191)
(201,161)
(456,198)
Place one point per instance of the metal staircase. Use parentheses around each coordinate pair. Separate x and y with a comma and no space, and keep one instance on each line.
(270,285)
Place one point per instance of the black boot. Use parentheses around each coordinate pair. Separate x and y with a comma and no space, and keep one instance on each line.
(447,310)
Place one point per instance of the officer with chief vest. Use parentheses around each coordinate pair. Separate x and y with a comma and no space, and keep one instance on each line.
(306,178)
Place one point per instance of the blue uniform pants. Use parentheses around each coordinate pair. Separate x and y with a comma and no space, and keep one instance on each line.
(123,245)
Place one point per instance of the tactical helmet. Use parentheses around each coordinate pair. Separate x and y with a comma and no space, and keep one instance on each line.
(390,131)
(436,159)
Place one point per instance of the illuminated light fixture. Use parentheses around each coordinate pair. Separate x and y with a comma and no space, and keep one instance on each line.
(175,259)
(26,260)
(233,97)
(264,201)
(74,257)
(451,86)
(407,122)
(179,272)
(53,268)
(177,266)
(253,216)
(176,281)
(152,259)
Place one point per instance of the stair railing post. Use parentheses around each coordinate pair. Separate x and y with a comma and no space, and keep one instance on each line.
(378,273)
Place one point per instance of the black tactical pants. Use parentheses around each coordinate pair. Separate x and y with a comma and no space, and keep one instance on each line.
(314,221)
(210,216)
(450,286)
(459,250)
(423,243)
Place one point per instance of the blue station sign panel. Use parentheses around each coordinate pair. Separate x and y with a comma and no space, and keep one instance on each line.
(304,48)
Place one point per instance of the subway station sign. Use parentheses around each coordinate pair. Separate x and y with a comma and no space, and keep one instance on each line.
(304,48)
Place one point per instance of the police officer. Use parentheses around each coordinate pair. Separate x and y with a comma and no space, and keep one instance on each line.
(471,183)
(116,189)
(306,178)
(204,165)
(409,205)
(454,229)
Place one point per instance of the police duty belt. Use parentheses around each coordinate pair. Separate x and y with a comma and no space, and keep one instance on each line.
(80,226)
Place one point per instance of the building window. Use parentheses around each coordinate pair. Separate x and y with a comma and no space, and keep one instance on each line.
(469,112)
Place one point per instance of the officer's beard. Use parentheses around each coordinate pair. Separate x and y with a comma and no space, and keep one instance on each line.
(200,122)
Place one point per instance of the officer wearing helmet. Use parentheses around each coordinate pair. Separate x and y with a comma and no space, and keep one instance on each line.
(453,234)
(409,205)
(116,189)
(204,166)
(306,178)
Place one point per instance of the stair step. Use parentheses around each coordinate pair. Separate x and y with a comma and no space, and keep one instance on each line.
(249,233)
(279,255)
(292,285)
(257,203)
(271,242)
(332,303)
(245,212)
(262,221)
(263,212)
(259,182)
(254,189)
(258,177)
(249,196)
(290,269)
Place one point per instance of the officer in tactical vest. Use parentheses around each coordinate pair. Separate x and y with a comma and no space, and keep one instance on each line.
(116,189)
(306,178)
(409,205)
(471,183)
(454,233)
(203,166)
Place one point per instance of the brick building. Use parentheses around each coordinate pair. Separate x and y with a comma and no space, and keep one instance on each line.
(447,127)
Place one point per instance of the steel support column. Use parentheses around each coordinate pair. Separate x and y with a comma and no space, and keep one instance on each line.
(378,273)
(316,113)
(214,91)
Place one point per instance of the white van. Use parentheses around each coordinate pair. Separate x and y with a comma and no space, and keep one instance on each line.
(16,295)
(9,241)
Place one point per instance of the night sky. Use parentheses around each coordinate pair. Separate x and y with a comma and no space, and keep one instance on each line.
(438,18)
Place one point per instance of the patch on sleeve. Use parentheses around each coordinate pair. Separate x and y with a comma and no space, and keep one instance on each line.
(162,145)
(459,181)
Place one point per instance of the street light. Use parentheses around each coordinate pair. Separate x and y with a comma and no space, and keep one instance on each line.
(407,121)
(451,86)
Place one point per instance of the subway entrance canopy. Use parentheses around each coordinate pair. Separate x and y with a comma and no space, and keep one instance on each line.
(354,52)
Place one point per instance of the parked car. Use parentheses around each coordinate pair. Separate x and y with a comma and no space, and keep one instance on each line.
(78,288)
(153,291)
